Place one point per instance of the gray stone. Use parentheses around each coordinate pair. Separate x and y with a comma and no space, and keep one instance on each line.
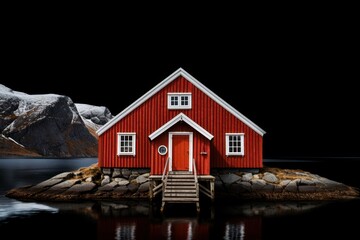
(48,183)
(106,171)
(116,173)
(144,187)
(256,176)
(65,184)
(108,187)
(133,177)
(269,177)
(89,179)
(230,178)
(83,187)
(105,181)
(64,175)
(247,177)
(119,179)
(329,183)
(306,182)
(142,178)
(292,186)
(133,187)
(121,189)
(125,173)
(123,182)
(257,184)
(285,182)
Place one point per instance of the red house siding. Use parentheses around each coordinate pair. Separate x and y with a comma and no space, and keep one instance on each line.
(153,113)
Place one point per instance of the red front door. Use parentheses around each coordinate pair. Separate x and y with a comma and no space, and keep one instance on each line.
(180,153)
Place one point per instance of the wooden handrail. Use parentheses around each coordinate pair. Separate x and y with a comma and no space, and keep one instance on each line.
(195,173)
(166,164)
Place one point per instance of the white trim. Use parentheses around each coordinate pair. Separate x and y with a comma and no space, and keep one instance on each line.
(133,134)
(190,148)
(176,119)
(242,153)
(165,82)
(179,106)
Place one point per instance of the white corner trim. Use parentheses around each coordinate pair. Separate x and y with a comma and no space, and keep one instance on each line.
(176,119)
(165,82)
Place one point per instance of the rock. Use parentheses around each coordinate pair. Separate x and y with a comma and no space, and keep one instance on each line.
(306,182)
(292,186)
(97,114)
(230,178)
(65,184)
(106,171)
(80,188)
(105,181)
(133,176)
(121,190)
(247,177)
(65,175)
(144,187)
(256,176)
(142,178)
(284,182)
(268,188)
(123,182)
(257,184)
(245,185)
(278,188)
(89,179)
(125,173)
(48,183)
(133,187)
(269,177)
(116,173)
(47,124)
(108,187)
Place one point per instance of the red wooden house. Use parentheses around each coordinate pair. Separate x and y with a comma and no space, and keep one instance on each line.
(182,120)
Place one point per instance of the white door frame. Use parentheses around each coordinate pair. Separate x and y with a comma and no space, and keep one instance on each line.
(190,148)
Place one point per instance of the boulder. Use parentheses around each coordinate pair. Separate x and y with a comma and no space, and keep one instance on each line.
(230,178)
(81,188)
(269,177)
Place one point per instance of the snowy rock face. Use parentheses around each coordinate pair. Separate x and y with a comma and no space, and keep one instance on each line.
(49,125)
(93,116)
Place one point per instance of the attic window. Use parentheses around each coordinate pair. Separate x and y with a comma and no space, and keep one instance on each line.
(126,143)
(234,144)
(179,100)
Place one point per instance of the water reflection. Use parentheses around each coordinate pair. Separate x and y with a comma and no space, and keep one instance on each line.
(137,220)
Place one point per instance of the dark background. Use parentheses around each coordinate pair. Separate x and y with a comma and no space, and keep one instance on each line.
(292,73)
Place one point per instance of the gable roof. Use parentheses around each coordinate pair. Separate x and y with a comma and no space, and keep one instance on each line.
(176,119)
(165,82)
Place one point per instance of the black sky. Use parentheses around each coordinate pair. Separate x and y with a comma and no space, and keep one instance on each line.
(296,79)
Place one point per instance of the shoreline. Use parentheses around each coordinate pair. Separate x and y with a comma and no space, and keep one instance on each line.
(273,184)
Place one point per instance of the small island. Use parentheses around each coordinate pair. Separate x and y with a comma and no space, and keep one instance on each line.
(89,183)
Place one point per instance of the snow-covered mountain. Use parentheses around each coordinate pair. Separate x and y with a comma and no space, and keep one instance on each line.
(47,125)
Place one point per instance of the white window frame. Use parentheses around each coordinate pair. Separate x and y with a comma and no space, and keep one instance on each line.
(178,96)
(228,153)
(119,141)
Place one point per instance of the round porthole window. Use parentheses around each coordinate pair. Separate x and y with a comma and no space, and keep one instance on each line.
(162,150)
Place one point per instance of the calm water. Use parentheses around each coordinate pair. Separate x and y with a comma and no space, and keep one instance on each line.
(140,220)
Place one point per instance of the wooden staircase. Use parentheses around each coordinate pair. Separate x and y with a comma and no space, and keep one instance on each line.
(180,187)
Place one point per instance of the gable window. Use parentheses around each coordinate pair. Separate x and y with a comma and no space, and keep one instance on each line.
(126,143)
(234,144)
(179,100)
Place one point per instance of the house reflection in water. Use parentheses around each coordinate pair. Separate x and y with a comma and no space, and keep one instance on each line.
(178,228)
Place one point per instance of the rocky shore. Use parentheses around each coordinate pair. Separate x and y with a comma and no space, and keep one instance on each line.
(90,183)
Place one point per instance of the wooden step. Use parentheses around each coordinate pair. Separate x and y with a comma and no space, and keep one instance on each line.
(181,180)
(179,172)
(181,176)
(182,195)
(188,187)
(180,184)
(172,199)
(180,191)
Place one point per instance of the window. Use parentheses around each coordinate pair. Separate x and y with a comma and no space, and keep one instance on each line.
(126,143)
(234,144)
(162,150)
(179,100)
